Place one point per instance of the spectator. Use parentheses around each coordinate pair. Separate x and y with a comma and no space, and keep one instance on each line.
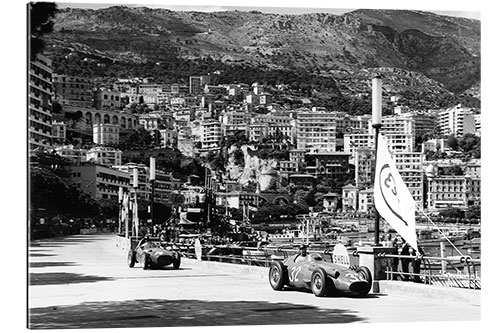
(407,250)
(198,248)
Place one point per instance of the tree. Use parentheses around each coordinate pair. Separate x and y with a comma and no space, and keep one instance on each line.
(239,157)
(140,139)
(452,213)
(471,144)
(452,142)
(473,213)
(41,15)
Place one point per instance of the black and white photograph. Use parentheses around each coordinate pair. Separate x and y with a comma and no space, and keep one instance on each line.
(264,165)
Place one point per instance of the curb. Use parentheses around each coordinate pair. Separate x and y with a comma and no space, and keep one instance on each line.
(470,296)
(225,267)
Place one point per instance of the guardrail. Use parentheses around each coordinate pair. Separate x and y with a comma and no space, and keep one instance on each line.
(458,272)
(255,256)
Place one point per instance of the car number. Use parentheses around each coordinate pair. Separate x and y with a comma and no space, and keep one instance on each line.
(294,274)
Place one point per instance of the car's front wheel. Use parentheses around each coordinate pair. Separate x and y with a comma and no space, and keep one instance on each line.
(131,258)
(277,275)
(365,273)
(319,282)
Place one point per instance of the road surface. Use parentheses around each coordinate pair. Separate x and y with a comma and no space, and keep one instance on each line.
(83,281)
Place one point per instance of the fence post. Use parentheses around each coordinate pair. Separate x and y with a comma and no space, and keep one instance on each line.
(442,252)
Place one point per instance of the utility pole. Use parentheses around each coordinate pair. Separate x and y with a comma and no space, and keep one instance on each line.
(152,178)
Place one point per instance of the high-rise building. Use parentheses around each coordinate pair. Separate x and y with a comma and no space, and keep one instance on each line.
(457,121)
(410,167)
(316,131)
(197,83)
(40,103)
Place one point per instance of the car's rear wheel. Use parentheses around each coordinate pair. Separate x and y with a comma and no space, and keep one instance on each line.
(365,273)
(277,275)
(177,261)
(145,261)
(319,282)
(131,258)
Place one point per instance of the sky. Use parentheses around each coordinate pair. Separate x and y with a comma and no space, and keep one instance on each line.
(458,7)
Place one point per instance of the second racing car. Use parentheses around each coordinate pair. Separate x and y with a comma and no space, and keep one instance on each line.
(152,254)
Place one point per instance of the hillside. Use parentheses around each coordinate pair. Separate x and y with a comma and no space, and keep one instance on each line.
(444,49)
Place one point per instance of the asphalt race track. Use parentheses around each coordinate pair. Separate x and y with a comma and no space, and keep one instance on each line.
(83,281)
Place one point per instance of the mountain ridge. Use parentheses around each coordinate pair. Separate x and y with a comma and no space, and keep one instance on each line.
(445,49)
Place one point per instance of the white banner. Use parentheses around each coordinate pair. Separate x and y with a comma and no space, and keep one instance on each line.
(392,198)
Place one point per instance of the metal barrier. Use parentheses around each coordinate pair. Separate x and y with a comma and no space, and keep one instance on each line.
(246,255)
(458,272)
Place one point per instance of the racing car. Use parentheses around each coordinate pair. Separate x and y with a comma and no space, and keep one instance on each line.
(153,254)
(313,272)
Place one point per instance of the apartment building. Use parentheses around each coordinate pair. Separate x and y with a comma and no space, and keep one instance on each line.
(257,132)
(364,166)
(106,134)
(331,202)
(424,122)
(58,132)
(211,134)
(358,141)
(215,90)
(104,156)
(98,181)
(73,90)
(106,99)
(231,129)
(351,124)
(143,184)
(297,156)
(265,99)
(168,138)
(366,203)
(40,103)
(457,121)
(445,191)
(316,131)
(331,165)
(75,155)
(151,121)
(410,167)
(350,198)
(163,99)
(197,83)
(178,89)
(150,88)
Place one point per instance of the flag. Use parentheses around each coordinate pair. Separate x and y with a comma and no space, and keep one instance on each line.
(392,198)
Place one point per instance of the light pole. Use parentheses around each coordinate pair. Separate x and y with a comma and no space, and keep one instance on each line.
(376,124)
(120,209)
(135,185)
(152,177)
